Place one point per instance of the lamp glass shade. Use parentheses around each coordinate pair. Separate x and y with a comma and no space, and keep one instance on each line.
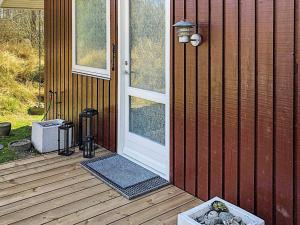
(184,39)
(184,30)
(183,23)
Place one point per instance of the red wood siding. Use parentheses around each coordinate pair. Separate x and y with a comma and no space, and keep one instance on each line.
(75,92)
(241,140)
(235,100)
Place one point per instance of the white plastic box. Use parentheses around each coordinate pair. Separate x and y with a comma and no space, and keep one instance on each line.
(44,135)
(188,217)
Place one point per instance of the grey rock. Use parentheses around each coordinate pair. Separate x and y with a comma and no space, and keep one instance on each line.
(225,216)
(213,221)
(200,219)
(234,223)
(237,219)
(212,214)
(227,222)
(207,222)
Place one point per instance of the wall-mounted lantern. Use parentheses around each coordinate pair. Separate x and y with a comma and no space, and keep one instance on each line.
(184,32)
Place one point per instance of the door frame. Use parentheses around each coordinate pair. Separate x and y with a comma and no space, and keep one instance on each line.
(122,4)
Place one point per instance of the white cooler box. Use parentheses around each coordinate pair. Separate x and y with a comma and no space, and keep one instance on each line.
(45,134)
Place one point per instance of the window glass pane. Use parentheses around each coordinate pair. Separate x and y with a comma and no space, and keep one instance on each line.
(147,46)
(147,119)
(91,33)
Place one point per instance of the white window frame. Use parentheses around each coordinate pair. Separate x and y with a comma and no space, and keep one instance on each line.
(86,70)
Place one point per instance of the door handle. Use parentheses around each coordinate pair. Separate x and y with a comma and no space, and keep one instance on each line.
(127,68)
(113,60)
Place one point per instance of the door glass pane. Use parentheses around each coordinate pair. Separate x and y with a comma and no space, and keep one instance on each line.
(147,119)
(91,33)
(147,44)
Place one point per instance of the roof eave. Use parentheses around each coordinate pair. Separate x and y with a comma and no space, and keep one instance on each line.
(23,4)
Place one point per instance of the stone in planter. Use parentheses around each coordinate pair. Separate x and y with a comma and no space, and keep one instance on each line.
(225,216)
(5,129)
(1,147)
(20,146)
(230,215)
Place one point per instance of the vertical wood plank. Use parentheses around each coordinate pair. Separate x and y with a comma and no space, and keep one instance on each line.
(264,170)
(106,115)
(216,167)
(101,111)
(172,43)
(89,92)
(58,61)
(113,82)
(203,115)
(66,61)
(62,60)
(79,94)
(95,102)
(191,106)
(47,48)
(247,101)
(297,117)
(84,92)
(53,59)
(231,98)
(54,115)
(179,115)
(71,103)
(75,105)
(94,94)
(50,80)
(284,75)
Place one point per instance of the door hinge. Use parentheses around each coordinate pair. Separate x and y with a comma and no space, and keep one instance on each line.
(113,60)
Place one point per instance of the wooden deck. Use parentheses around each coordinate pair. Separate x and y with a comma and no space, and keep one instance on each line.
(52,189)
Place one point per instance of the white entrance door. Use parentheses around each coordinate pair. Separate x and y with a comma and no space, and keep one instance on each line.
(144,83)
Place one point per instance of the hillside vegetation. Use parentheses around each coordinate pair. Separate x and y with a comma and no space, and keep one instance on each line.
(21,38)
(18,71)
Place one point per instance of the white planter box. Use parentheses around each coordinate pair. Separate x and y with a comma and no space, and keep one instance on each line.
(45,134)
(187,218)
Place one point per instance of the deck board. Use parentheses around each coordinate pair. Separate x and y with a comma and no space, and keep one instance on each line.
(55,190)
(19,205)
(28,160)
(41,182)
(31,165)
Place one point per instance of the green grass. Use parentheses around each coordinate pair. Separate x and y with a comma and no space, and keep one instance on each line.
(21,128)
(18,92)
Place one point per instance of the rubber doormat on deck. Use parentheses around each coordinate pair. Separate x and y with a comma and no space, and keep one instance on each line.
(128,178)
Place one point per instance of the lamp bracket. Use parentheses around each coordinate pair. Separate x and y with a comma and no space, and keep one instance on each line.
(196,40)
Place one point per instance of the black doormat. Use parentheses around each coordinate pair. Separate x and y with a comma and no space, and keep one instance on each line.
(128,178)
